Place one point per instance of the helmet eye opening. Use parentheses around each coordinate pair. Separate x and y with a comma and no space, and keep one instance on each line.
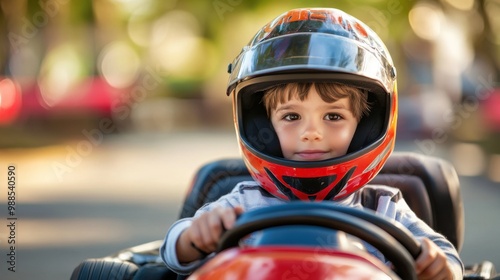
(258,134)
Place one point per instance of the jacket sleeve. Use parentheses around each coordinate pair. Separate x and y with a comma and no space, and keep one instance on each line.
(421,230)
(389,202)
(167,250)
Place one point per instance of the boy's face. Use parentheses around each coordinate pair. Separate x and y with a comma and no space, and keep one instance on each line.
(313,129)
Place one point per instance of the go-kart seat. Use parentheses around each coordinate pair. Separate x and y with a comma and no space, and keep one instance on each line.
(429,185)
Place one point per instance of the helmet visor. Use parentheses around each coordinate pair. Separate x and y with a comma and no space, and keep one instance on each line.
(312,51)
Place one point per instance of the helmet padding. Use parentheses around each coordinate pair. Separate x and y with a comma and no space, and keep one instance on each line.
(257,127)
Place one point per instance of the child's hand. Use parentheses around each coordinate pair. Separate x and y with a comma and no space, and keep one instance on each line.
(432,262)
(205,233)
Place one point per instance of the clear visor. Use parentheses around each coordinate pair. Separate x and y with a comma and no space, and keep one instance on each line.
(312,51)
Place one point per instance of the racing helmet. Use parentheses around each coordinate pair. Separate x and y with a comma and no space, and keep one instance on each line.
(314,45)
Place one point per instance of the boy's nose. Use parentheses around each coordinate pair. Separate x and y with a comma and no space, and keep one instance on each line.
(312,132)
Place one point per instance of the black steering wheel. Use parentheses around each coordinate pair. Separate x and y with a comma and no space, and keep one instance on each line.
(394,241)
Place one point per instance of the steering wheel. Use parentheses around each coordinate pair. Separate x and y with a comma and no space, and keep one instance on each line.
(394,241)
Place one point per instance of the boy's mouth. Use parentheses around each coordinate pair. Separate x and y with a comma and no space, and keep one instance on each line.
(310,155)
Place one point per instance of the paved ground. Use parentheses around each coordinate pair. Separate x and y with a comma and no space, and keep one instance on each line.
(93,196)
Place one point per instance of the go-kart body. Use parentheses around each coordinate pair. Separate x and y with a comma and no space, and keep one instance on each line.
(291,263)
(290,246)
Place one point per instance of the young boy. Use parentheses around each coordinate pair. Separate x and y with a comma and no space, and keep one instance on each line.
(315,108)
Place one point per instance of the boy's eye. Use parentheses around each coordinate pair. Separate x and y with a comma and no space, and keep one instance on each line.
(333,117)
(291,117)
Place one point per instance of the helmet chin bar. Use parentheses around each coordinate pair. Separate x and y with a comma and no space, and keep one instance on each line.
(310,186)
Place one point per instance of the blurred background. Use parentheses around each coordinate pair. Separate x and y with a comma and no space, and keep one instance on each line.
(107,108)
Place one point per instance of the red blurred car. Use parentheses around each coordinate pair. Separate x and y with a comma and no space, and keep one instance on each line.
(91,98)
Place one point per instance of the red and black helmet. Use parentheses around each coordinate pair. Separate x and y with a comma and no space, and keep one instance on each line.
(314,45)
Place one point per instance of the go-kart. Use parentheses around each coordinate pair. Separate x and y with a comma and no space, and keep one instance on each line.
(302,240)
